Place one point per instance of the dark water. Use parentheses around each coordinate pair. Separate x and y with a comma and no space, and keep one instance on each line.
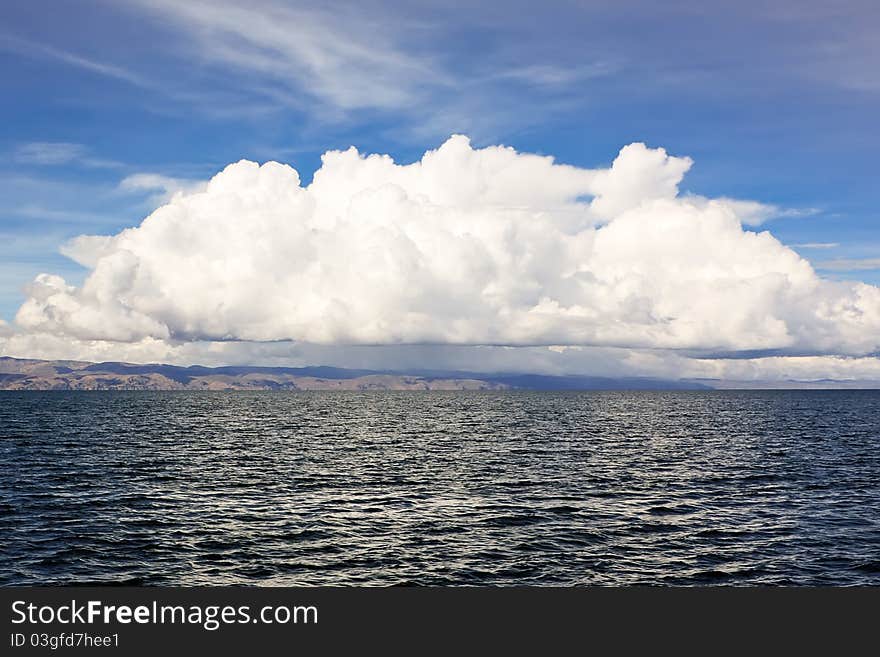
(440,488)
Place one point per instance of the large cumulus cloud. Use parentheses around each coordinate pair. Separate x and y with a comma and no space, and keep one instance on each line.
(465,247)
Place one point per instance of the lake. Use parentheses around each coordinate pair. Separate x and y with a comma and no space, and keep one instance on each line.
(440,488)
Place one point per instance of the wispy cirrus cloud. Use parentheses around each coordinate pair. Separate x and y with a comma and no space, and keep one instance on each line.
(347,64)
(816,245)
(56,153)
(48,153)
(343,58)
(33,49)
(42,213)
(554,75)
(849,264)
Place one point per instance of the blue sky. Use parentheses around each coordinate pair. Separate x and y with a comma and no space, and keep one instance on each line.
(776,103)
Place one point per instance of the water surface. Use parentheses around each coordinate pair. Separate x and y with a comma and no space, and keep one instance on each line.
(486,488)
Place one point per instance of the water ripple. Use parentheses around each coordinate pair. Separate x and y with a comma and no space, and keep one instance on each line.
(463,488)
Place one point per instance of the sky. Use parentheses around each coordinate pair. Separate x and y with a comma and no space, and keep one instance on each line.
(670,189)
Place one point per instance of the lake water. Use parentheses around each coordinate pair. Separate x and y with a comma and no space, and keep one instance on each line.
(487,488)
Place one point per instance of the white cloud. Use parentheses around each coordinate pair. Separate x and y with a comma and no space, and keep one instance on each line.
(33,211)
(166,187)
(753,213)
(56,153)
(849,264)
(48,153)
(554,75)
(346,58)
(465,247)
(778,368)
(816,245)
(42,51)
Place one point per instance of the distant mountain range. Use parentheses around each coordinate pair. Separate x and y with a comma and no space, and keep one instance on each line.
(26,374)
